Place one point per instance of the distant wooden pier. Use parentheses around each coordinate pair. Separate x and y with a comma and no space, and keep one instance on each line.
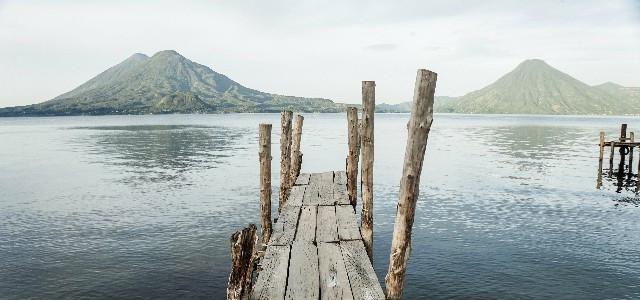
(625,146)
(316,249)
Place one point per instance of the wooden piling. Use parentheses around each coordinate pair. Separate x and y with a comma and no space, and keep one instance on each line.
(632,138)
(359,140)
(352,157)
(622,150)
(601,157)
(611,155)
(285,156)
(243,245)
(637,177)
(366,175)
(418,133)
(296,155)
(264,153)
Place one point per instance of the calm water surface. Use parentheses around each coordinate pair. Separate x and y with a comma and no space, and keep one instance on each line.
(142,206)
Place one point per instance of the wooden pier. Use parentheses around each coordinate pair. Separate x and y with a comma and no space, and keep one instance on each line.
(316,249)
(625,146)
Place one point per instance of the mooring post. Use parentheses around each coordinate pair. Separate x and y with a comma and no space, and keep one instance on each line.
(599,181)
(638,177)
(611,156)
(296,155)
(285,156)
(418,133)
(632,139)
(366,175)
(622,150)
(264,152)
(352,157)
(243,245)
(359,144)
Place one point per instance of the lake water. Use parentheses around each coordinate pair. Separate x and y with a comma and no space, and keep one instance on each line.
(141,207)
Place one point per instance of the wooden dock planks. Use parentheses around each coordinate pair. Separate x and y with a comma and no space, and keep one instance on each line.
(303,280)
(296,195)
(316,249)
(284,230)
(327,227)
(347,227)
(307,225)
(270,283)
(362,277)
(334,281)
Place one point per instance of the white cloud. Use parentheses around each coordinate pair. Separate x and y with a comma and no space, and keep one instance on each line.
(317,48)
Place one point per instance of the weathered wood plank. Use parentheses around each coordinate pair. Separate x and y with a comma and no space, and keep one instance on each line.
(307,224)
(284,231)
(311,195)
(303,179)
(340,177)
(327,227)
(340,194)
(325,188)
(296,195)
(363,280)
(346,218)
(272,279)
(304,280)
(334,281)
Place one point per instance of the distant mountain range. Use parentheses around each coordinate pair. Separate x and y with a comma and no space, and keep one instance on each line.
(167,82)
(534,87)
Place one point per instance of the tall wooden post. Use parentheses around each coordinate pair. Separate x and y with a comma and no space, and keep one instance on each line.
(352,157)
(359,145)
(623,138)
(418,133)
(599,181)
(366,175)
(296,155)
(285,156)
(264,152)
(611,155)
(632,139)
(243,244)
(638,177)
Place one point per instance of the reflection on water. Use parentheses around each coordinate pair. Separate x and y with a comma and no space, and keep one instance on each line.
(142,206)
(160,153)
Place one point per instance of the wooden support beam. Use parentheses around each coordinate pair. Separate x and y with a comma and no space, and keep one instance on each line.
(296,155)
(638,177)
(243,245)
(366,176)
(265,182)
(611,155)
(632,138)
(285,156)
(622,150)
(601,157)
(418,133)
(352,157)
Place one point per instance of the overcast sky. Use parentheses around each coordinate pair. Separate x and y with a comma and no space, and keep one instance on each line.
(318,48)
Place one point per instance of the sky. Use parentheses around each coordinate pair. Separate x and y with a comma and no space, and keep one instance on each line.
(318,48)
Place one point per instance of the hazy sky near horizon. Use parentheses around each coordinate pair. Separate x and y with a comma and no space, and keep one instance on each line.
(318,48)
